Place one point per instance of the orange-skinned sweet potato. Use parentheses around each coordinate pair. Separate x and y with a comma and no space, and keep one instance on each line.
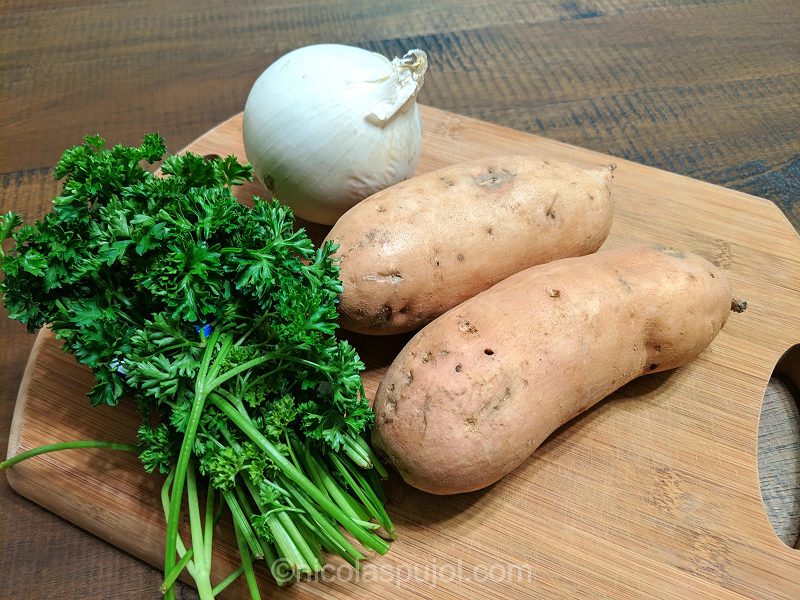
(414,250)
(475,392)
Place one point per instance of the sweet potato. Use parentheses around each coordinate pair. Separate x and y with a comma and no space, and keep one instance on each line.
(416,249)
(474,393)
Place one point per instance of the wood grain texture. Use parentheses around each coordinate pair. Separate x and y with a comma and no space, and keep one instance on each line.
(654,492)
(708,88)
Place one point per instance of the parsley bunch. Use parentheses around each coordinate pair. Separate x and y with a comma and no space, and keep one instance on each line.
(219,321)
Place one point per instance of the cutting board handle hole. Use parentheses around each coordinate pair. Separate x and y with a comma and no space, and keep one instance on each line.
(779,470)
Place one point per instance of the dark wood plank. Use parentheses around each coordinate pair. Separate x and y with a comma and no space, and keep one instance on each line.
(706,88)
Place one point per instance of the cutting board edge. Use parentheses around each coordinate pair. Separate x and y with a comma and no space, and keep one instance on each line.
(17,419)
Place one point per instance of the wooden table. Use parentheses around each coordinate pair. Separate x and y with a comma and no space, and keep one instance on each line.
(710,89)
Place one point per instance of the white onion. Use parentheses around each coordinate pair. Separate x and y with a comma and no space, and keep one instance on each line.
(327,125)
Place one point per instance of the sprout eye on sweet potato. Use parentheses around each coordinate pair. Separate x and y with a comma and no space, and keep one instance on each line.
(476,391)
(414,250)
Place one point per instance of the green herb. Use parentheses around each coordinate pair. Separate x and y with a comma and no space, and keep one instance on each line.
(219,321)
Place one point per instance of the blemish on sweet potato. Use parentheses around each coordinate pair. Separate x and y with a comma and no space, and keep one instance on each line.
(467,327)
(383,316)
(425,408)
(624,283)
(383,277)
(494,403)
(550,212)
(494,179)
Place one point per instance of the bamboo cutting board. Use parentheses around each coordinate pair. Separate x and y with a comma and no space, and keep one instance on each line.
(653,493)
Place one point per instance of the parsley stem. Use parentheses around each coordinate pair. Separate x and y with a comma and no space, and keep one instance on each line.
(10,462)
(179,542)
(364,491)
(356,452)
(227,581)
(286,546)
(272,558)
(247,563)
(219,359)
(338,494)
(367,538)
(312,472)
(202,567)
(229,439)
(270,555)
(244,501)
(290,547)
(265,377)
(208,534)
(233,399)
(290,450)
(211,344)
(171,577)
(312,539)
(373,458)
(298,541)
(366,501)
(368,524)
(376,486)
(244,526)
(247,510)
(253,362)
(275,486)
(308,533)
(255,325)
(183,459)
(334,537)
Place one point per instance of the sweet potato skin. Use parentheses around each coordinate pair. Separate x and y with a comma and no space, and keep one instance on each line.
(474,393)
(410,252)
